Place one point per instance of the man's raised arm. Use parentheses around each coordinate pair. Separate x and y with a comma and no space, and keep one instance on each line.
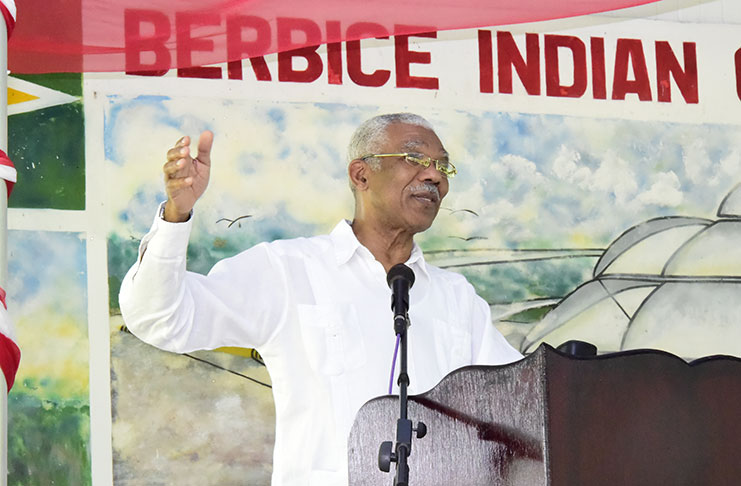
(155,302)
(239,303)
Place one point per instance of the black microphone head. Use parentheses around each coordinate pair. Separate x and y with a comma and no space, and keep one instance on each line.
(400,271)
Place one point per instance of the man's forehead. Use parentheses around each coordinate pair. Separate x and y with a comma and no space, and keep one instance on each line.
(413,144)
(416,137)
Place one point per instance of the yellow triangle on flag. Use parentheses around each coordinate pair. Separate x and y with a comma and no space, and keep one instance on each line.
(16,96)
(25,96)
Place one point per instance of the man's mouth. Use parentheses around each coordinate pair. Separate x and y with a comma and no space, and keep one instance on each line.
(426,197)
(426,193)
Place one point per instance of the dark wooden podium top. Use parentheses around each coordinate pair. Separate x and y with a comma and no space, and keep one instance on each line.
(633,418)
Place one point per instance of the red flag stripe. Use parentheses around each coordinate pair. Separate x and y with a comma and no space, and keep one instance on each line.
(8,9)
(10,358)
(7,172)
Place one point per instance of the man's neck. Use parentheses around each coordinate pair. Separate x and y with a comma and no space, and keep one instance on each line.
(388,246)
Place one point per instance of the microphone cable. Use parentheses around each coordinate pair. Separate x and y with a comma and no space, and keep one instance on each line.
(393,363)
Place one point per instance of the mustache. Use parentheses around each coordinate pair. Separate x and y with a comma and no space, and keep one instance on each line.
(426,187)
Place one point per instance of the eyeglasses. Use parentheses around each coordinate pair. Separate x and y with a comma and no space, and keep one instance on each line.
(444,166)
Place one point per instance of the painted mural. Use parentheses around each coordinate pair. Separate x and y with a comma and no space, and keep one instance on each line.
(48,416)
(48,409)
(572,224)
(525,222)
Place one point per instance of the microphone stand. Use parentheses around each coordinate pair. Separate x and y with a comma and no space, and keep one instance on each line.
(404,428)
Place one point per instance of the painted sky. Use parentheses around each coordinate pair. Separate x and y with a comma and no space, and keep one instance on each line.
(534,181)
(48,303)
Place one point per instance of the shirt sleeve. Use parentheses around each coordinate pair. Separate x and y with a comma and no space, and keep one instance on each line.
(241,302)
(489,345)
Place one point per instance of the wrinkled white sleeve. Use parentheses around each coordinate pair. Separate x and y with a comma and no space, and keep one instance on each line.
(241,302)
(490,347)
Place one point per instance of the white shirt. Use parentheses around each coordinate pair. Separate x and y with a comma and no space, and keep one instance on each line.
(318,311)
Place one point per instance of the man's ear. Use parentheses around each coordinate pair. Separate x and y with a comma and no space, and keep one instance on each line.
(357,170)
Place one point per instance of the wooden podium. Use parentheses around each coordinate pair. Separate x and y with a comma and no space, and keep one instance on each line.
(632,418)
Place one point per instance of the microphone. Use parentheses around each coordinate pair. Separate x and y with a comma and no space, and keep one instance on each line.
(400,279)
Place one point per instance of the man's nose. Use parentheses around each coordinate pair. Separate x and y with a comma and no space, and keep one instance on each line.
(431,174)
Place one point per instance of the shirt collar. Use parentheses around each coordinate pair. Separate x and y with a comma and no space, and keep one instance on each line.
(417,260)
(344,241)
(346,244)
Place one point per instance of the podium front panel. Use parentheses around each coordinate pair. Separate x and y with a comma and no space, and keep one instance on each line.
(484,428)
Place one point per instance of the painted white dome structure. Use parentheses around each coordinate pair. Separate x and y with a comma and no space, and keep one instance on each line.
(671,283)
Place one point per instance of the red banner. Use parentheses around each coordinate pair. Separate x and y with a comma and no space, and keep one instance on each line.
(156,35)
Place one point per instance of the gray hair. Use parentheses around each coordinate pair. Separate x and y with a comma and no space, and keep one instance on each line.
(371,135)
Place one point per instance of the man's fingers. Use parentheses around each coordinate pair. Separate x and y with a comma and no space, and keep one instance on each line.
(178,152)
(179,162)
(180,169)
(176,168)
(178,183)
(205,141)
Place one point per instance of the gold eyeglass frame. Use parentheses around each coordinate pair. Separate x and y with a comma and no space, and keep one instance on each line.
(445,167)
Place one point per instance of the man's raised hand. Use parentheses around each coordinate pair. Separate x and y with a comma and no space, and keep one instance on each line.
(186,177)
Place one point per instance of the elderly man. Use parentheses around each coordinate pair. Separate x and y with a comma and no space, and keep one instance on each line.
(317,309)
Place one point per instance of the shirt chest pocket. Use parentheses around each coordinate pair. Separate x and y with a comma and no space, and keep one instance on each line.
(454,344)
(332,338)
